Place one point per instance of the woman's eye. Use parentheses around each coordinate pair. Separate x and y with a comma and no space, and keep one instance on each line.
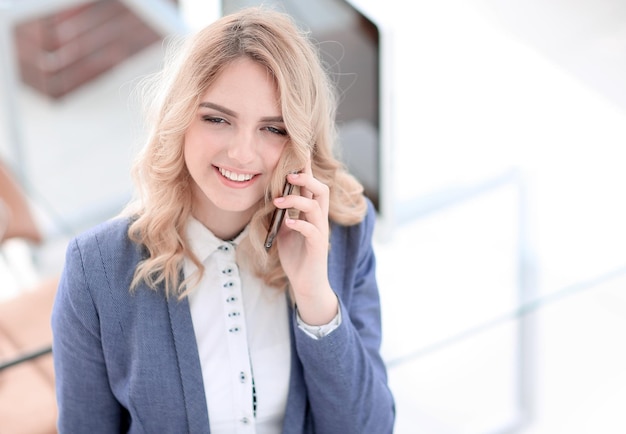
(279,131)
(213,119)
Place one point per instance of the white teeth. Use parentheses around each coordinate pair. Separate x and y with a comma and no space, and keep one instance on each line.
(235,176)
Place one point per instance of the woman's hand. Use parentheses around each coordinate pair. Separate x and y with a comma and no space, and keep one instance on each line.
(303,248)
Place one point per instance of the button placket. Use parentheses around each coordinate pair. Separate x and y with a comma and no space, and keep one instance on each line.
(234,317)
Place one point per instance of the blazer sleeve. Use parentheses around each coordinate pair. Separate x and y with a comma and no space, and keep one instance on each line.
(345,376)
(85,400)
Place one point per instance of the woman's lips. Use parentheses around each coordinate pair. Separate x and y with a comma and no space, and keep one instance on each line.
(237,178)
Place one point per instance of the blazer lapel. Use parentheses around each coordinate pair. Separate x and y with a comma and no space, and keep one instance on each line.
(189,365)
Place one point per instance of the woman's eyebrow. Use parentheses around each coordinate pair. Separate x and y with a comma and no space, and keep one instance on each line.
(218,107)
(229,112)
(278,119)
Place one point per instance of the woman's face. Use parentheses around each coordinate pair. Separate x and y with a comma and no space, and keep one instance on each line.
(234,142)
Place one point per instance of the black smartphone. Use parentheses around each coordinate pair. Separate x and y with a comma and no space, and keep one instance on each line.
(277,218)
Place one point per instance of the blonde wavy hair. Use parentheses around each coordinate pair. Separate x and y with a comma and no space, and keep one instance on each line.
(308,101)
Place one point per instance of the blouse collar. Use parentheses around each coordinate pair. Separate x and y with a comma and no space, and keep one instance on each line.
(203,242)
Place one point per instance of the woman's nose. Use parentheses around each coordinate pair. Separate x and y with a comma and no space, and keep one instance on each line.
(241,147)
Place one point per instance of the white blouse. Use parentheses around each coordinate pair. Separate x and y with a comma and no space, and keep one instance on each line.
(242,331)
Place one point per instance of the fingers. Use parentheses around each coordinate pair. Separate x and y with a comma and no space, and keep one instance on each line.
(313,194)
(312,204)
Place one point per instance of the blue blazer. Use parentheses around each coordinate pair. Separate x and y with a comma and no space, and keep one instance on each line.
(128,363)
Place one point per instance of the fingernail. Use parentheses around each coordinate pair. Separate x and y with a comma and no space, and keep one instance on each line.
(279,199)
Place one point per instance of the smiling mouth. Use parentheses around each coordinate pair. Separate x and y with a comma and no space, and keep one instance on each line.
(237,177)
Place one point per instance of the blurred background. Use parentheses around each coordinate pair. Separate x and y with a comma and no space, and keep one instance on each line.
(491,136)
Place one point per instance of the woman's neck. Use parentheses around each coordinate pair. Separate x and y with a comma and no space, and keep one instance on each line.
(225,225)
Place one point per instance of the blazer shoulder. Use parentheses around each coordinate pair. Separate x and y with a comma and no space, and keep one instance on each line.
(103,259)
(106,239)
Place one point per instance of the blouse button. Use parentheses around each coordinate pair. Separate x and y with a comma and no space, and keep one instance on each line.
(233,329)
(231,299)
(228,285)
(228,271)
(224,248)
(245,420)
(233,314)
(242,377)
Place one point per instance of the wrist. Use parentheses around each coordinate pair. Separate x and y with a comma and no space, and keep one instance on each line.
(319,308)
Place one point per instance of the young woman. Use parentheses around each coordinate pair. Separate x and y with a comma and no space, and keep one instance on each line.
(176,317)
